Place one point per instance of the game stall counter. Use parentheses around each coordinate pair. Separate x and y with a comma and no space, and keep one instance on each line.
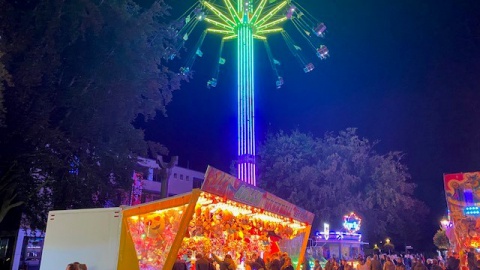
(225,216)
(462,191)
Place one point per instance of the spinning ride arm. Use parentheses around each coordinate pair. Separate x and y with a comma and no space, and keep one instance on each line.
(273,63)
(294,49)
(186,69)
(214,80)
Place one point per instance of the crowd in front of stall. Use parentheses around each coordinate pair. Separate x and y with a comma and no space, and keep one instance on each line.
(277,261)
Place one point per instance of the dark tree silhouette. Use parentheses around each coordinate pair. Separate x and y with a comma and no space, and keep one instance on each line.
(81,73)
(340,173)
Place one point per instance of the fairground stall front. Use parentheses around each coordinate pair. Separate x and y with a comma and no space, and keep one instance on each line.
(225,216)
(342,244)
(462,192)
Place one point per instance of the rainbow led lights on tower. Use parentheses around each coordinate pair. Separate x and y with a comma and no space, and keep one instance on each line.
(246,20)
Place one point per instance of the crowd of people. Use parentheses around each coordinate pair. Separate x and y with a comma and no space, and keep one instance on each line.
(277,261)
(399,262)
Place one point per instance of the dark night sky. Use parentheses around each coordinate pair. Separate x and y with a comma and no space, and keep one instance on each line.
(406,73)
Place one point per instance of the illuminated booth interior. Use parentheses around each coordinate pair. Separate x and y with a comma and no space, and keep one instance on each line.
(226,216)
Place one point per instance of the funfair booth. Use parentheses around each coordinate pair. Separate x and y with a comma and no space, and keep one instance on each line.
(462,192)
(227,216)
(343,244)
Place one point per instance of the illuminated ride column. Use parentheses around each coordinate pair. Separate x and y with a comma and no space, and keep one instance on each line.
(245,23)
(246,100)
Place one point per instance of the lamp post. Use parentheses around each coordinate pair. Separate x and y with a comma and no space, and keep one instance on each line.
(388,245)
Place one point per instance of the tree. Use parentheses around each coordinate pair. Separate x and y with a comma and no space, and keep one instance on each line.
(81,73)
(340,173)
(5,78)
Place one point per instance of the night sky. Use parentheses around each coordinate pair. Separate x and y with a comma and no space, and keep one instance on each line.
(405,73)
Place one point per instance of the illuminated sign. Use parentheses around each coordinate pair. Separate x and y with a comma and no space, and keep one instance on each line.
(471,211)
(326,230)
(352,223)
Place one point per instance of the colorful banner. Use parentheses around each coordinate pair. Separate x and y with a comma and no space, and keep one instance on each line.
(462,192)
(227,186)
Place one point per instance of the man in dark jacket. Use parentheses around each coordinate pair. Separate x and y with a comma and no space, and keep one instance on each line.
(453,263)
(202,263)
(226,264)
(179,265)
(258,259)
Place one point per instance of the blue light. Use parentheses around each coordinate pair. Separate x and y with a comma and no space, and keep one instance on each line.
(471,211)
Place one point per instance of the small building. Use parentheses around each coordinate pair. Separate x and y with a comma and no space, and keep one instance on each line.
(180,180)
(339,245)
(343,244)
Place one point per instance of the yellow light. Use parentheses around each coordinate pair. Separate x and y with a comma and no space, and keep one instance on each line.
(259,37)
(134,217)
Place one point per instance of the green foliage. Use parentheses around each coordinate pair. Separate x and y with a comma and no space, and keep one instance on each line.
(81,72)
(340,173)
(440,240)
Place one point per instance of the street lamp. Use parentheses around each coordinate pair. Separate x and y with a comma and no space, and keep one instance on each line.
(388,245)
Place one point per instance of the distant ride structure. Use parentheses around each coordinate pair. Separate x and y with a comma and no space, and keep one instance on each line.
(246,21)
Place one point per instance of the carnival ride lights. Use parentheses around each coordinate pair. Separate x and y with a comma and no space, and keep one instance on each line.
(246,20)
(214,203)
(471,211)
(352,222)
(334,235)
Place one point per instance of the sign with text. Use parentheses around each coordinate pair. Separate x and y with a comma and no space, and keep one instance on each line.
(225,185)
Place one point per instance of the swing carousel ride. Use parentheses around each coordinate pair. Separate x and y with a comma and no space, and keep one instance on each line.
(246,21)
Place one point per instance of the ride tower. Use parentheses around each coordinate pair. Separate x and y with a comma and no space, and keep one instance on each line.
(246,21)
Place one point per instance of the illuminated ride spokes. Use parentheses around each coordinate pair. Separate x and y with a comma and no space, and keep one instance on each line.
(246,20)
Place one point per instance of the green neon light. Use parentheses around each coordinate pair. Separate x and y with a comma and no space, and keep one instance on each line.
(269,31)
(219,14)
(219,31)
(219,24)
(272,23)
(232,11)
(271,13)
(230,37)
(260,37)
(258,11)
(245,23)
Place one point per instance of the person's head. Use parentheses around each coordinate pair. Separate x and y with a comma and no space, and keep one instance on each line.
(288,261)
(254,255)
(228,256)
(198,256)
(317,262)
